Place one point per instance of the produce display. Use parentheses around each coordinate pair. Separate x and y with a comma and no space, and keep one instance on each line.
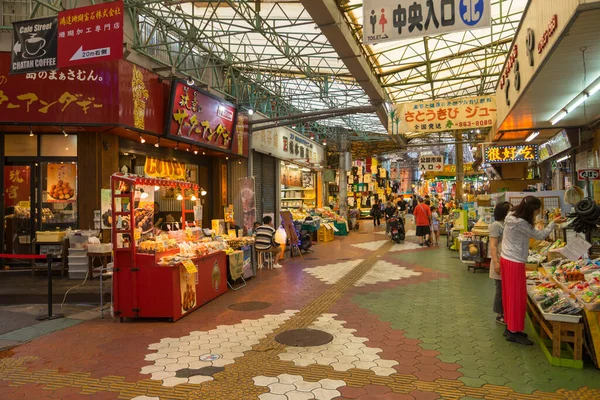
(534,257)
(238,243)
(551,299)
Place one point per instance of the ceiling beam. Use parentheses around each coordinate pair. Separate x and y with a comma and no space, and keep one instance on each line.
(330,19)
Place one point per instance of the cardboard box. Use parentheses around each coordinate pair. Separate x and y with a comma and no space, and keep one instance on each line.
(531,267)
(553,255)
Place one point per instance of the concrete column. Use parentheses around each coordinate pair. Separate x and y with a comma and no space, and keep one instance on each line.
(460,172)
(343,197)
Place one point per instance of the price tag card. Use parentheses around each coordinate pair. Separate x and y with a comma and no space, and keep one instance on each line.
(189,266)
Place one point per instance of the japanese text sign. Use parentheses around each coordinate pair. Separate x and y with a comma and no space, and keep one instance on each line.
(199,118)
(156,168)
(431,163)
(16,185)
(90,34)
(557,144)
(442,115)
(61,183)
(113,92)
(389,20)
(513,153)
(591,174)
(34,45)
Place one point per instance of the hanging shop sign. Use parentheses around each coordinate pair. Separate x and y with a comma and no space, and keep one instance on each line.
(156,168)
(389,20)
(240,142)
(541,26)
(113,92)
(515,153)
(16,185)
(34,45)
(288,145)
(61,183)
(248,201)
(90,34)
(591,174)
(557,144)
(198,117)
(431,163)
(442,115)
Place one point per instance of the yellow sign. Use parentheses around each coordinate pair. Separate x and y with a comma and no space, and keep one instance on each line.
(189,266)
(451,169)
(24,204)
(504,154)
(156,168)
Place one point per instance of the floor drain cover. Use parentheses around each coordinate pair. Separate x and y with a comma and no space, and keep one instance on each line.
(204,371)
(249,306)
(304,337)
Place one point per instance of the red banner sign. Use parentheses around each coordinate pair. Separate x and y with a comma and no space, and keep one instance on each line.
(16,185)
(198,117)
(113,92)
(90,34)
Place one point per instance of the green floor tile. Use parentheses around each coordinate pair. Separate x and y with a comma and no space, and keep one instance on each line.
(473,382)
(494,380)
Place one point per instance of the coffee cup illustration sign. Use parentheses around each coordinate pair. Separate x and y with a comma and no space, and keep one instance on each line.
(34,46)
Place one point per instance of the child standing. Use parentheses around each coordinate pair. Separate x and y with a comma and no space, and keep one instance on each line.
(435,225)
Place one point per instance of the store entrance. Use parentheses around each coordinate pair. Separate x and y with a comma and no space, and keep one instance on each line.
(38,196)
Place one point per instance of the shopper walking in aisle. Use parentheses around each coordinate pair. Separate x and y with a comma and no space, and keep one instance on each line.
(422,221)
(388,213)
(435,225)
(376,214)
(518,229)
(500,212)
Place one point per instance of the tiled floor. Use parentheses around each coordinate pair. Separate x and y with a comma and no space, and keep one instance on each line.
(407,323)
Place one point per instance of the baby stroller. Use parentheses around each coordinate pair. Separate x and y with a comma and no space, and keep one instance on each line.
(305,239)
(397,229)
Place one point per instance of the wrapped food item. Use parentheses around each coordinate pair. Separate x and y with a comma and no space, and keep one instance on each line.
(566,306)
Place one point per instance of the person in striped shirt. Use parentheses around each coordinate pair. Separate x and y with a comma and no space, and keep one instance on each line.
(265,240)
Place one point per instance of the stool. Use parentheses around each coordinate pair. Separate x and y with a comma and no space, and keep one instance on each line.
(261,258)
(104,258)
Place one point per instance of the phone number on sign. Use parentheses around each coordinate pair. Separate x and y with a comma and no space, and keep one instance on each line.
(468,124)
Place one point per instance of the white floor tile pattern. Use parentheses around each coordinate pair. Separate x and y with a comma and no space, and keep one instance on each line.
(343,353)
(217,347)
(382,271)
(294,387)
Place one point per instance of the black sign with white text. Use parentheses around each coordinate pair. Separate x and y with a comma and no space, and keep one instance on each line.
(34,45)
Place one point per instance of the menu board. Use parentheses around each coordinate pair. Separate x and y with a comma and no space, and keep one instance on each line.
(557,144)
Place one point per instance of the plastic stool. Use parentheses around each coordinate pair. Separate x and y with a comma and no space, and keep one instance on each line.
(264,256)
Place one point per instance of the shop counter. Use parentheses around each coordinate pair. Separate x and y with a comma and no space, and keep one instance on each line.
(148,290)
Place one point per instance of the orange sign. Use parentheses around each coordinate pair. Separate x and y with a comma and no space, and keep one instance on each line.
(62,182)
(156,168)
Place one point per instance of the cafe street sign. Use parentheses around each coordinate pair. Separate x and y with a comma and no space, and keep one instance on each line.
(34,46)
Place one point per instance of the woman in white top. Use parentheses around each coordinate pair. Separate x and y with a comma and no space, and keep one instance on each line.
(518,229)
(500,212)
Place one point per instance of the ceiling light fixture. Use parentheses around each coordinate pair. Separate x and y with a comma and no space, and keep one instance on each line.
(532,136)
(65,133)
(193,198)
(142,140)
(195,151)
(324,142)
(156,188)
(30,132)
(576,102)
(179,197)
(177,146)
(563,158)
(157,144)
(203,192)
(143,194)
(203,153)
(250,111)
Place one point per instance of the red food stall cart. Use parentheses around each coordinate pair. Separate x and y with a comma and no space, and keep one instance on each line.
(152,276)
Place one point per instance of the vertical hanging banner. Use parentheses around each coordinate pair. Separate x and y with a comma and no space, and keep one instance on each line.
(248,202)
(61,183)
(442,115)
(16,185)
(34,46)
(90,34)
(389,20)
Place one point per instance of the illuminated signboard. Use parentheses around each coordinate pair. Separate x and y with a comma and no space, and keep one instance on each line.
(512,153)
(557,144)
